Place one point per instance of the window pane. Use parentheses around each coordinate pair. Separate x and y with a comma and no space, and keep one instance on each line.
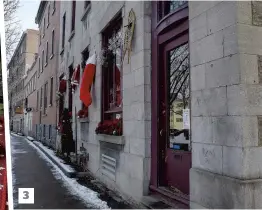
(173,5)
(51,91)
(178,62)
(53,36)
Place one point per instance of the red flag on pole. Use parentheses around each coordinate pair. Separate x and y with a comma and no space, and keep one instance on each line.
(87,80)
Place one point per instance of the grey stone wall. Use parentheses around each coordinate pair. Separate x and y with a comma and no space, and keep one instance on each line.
(134,158)
(225,47)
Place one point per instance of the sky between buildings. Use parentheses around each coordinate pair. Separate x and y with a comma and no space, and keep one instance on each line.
(27,13)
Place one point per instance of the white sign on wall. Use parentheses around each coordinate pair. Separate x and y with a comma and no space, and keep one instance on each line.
(186,118)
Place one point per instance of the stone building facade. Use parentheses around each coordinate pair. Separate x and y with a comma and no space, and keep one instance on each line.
(30,83)
(20,62)
(47,18)
(130,155)
(226,49)
(209,155)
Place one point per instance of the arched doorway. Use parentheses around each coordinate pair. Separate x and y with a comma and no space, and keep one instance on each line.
(171,152)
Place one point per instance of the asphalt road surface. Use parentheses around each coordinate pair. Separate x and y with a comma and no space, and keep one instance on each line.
(31,171)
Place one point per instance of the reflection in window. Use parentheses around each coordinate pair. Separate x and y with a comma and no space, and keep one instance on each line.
(179,97)
(166,7)
(173,5)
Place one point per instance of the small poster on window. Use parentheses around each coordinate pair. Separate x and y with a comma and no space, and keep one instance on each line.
(186,119)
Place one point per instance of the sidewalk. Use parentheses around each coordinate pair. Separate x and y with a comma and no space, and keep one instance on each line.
(88,181)
(114,200)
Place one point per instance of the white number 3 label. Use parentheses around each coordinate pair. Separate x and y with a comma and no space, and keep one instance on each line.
(26,195)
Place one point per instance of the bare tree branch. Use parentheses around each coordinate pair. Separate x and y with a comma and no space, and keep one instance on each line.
(12,26)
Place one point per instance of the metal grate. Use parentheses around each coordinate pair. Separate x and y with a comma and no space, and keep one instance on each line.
(108,167)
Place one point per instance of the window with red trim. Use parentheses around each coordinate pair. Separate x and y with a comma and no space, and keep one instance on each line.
(111,71)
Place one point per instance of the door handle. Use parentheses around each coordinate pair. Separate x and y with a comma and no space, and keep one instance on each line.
(161,132)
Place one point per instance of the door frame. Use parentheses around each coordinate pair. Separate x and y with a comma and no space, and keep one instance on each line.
(170,27)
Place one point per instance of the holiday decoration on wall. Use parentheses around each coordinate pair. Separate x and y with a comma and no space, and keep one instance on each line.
(87,81)
(129,33)
(75,78)
(83,113)
(110,127)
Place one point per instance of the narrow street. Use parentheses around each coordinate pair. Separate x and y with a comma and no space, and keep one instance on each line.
(30,170)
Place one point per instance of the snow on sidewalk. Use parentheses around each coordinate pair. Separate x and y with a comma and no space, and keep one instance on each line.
(50,152)
(85,194)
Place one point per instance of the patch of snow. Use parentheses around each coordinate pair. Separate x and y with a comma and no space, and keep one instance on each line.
(89,197)
(14,134)
(30,138)
(67,168)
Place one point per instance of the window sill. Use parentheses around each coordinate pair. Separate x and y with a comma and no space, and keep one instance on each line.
(51,56)
(45,64)
(83,120)
(43,35)
(53,11)
(62,51)
(120,140)
(47,25)
(50,105)
(71,36)
(114,110)
(86,11)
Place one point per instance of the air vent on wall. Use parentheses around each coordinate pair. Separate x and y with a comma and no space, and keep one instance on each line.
(108,167)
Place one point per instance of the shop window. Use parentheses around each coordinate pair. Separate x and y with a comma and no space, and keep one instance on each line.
(111,72)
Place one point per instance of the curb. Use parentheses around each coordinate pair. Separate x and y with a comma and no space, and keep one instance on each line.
(68,174)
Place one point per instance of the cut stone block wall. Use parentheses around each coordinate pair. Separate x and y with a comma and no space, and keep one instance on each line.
(133,159)
(225,47)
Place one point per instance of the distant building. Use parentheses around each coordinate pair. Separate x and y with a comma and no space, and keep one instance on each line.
(30,98)
(48,20)
(20,62)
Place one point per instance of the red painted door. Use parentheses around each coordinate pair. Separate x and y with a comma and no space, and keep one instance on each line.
(174,130)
